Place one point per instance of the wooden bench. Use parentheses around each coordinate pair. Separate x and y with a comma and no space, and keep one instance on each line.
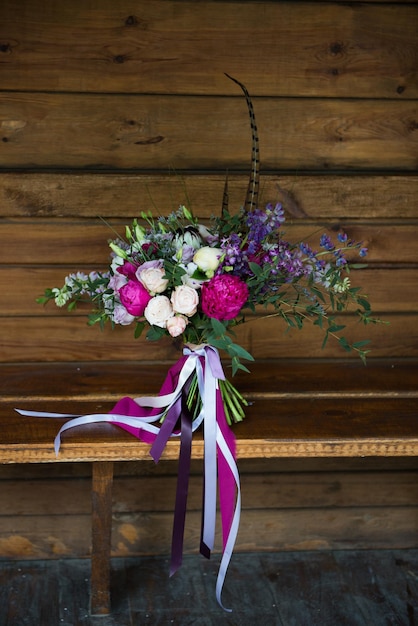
(298,409)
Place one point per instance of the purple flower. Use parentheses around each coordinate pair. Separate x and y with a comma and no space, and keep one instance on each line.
(325,242)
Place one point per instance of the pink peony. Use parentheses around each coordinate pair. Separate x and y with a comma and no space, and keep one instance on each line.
(223,296)
(134,297)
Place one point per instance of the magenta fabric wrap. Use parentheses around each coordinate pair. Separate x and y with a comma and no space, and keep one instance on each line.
(219,446)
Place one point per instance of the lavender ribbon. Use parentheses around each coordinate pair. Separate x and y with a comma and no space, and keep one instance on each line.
(219,447)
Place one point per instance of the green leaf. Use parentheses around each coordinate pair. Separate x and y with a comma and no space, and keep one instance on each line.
(335,328)
(155,333)
(218,327)
(241,352)
(360,344)
(138,329)
(256,269)
(344,344)
(364,303)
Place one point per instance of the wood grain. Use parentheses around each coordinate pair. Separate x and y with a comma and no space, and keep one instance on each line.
(83,245)
(308,49)
(347,427)
(162,132)
(124,194)
(101,516)
(107,109)
(24,285)
(46,338)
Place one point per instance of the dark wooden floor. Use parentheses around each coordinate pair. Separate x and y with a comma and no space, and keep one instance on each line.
(377,588)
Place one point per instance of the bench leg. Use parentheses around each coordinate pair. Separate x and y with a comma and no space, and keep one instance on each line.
(102,478)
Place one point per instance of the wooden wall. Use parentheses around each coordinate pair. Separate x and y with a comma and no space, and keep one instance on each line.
(109,108)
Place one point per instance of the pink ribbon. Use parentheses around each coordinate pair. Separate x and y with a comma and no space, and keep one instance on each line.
(139,418)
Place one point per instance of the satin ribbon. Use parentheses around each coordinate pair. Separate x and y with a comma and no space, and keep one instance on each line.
(139,417)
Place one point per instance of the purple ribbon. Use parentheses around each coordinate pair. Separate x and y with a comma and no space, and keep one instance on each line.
(140,416)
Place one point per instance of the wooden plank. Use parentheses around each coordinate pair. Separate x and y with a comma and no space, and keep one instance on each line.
(356,49)
(155,492)
(82,245)
(130,469)
(46,338)
(348,427)
(269,530)
(101,520)
(148,132)
(360,587)
(282,378)
(24,285)
(81,195)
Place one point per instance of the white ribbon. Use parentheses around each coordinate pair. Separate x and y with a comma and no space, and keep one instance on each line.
(207,384)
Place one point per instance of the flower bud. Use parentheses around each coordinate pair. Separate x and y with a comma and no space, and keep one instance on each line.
(207,259)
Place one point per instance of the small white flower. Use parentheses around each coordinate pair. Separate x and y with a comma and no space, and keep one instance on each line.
(188,279)
(61,296)
(117,261)
(342,286)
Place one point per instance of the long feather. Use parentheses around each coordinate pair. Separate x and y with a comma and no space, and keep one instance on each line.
(253,185)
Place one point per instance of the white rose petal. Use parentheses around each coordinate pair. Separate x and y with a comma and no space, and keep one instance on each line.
(176,325)
(158,311)
(185,300)
(153,279)
(207,258)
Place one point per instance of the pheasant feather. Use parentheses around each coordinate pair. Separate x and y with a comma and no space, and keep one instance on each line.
(253,185)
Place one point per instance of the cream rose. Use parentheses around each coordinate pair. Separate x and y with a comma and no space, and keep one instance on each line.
(207,259)
(185,300)
(153,279)
(158,311)
(176,325)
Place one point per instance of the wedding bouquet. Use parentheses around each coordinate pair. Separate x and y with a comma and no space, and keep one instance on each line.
(196,282)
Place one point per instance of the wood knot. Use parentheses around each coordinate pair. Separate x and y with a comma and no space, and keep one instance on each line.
(119,58)
(336,48)
(150,140)
(131,20)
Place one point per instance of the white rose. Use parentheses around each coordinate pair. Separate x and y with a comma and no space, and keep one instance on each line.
(207,259)
(176,325)
(153,279)
(158,311)
(185,300)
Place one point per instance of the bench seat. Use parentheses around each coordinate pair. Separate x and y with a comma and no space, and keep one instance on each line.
(296,410)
